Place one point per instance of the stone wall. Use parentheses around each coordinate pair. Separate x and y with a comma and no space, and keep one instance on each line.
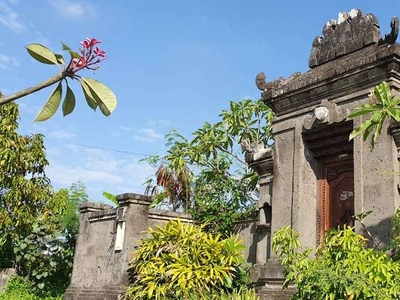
(107,236)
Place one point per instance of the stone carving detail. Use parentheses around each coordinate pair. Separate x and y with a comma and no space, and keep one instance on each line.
(274,85)
(326,113)
(392,36)
(352,31)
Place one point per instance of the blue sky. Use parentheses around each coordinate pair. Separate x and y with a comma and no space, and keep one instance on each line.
(172,64)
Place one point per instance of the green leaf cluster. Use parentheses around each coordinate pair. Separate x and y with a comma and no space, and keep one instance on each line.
(394,244)
(384,106)
(38,226)
(111,197)
(26,195)
(207,175)
(180,260)
(343,268)
(243,293)
(19,288)
(96,93)
(45,259)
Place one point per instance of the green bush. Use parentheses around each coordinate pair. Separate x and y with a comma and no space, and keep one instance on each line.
(343,268)
(239,294)
(18,288)
(394,246)
(180,261)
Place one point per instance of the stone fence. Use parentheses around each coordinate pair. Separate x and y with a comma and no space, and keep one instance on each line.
(108,235)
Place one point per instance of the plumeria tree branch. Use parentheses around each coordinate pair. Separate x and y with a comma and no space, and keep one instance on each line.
(33,89)
(96,93)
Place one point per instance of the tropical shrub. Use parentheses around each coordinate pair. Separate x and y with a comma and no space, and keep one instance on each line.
(384,105)
(238,294)
(206,174)
(179,261)
(343,268)
(394,246)
(46,260)
(18,288)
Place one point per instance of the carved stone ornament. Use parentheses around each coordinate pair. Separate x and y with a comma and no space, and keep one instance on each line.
(350,32)
(392,36)
(277,84)
(326,113)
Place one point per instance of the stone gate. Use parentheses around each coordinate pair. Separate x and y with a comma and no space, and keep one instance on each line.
(313,178)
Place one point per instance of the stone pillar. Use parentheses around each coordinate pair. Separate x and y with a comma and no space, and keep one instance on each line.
(105,242)
(261,161)
(135,215)
(88,254)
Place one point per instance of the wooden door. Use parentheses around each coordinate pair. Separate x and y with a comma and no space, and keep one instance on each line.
(336,190)
(342,200)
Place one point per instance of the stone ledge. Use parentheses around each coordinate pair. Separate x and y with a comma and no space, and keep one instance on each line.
(160,214)
(87,207)
(358,69)
(132,198)
(106,293)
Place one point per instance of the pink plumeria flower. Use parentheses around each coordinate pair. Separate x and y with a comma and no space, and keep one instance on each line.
(89,57)
(89,43)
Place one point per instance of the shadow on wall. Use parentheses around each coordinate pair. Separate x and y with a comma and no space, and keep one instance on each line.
(247,232)
(380,232)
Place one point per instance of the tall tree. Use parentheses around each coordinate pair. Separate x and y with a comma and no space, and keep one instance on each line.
(26,195)
(207,175)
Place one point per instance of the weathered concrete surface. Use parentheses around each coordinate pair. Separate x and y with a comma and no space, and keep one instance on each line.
(100,270)
(5,275)
(269,279)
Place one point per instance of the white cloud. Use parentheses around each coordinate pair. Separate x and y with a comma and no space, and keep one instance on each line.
(8,62)
(99,171)
(10,19)
(124,128)
(72,9)
(61,134)
(147,135)
(155,123)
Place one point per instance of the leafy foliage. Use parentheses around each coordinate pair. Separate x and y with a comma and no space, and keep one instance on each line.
(45,255)
(111,197)
(38,226)
(384,106)
(45,259)
(26,196)
(207,175)
(180,260)
(395,236)
(18,288)
(238,294)
(343,268)
(69,221)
